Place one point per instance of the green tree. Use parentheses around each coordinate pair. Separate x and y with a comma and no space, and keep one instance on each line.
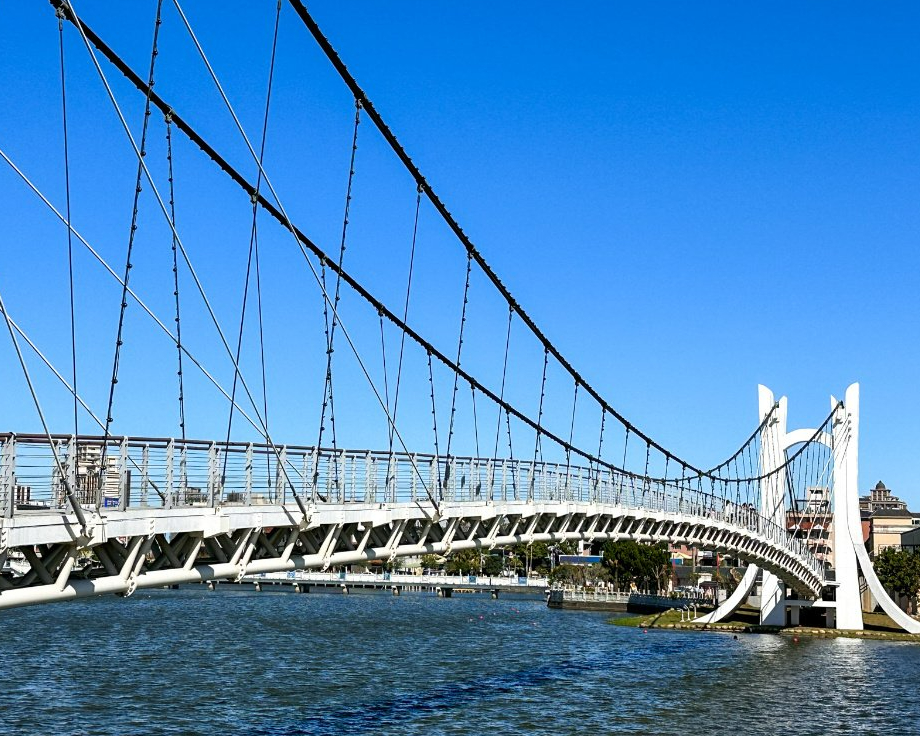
(432,562)
(572,574)
(899,571)
(526,557)
(491,565)
(656,565)
(622,559)
(466,562)
(631,562)
(567,548)
(597,573)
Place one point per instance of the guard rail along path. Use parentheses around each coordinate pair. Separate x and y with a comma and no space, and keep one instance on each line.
(166,518)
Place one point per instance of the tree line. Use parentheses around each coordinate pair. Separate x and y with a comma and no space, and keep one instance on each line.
(624,564)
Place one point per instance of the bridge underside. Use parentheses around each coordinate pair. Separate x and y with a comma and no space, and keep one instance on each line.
(149,548)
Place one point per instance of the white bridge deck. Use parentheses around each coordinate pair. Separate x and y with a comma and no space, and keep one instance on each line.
(173,512)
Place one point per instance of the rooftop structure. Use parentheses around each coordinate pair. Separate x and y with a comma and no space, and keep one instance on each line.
(881,498)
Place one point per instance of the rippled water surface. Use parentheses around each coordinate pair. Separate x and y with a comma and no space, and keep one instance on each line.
(232,662)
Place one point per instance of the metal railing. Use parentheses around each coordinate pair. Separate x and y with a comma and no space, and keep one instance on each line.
(386,579)
(582,595)
(143,472)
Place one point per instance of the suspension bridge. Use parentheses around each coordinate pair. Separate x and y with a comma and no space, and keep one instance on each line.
(94,511)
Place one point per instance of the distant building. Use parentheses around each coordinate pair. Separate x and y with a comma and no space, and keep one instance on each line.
(88,474)
(812,520)
(888,518)
(881,499)
(580,559)
(910,540)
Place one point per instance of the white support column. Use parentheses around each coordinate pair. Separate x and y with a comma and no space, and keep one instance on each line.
(8,476)
(213,474)
(772,500)
(70,467)
(145,473)
(124,476)
(170,484)
(247,498)
(846,505)
(182,494)
(281,476)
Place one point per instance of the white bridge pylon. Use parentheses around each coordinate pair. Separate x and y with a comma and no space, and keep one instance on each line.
(850,555)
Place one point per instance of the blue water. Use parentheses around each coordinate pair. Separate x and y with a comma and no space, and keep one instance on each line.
(280,664)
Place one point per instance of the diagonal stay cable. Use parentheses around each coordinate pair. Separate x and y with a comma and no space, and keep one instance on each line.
(254,256)
(68,488)
(71,13)
(111,271)
(79,399)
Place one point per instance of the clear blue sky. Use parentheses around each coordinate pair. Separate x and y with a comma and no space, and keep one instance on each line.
(689,199)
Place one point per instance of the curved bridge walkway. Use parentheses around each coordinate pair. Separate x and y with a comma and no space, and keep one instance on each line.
(178,512)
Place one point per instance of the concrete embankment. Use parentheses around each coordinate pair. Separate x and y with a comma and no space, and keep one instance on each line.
(672,620)
(615,602)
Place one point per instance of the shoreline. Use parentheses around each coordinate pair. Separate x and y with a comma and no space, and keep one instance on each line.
(665,621)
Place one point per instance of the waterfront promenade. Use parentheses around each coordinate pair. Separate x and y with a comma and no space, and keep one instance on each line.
(621,601)
(302,581)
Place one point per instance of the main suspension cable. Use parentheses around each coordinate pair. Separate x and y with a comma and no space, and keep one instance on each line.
(304,243)
(420,180)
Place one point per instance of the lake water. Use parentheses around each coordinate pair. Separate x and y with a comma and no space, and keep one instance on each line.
(235,662)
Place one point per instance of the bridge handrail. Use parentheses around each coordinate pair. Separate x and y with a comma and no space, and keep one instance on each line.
(164,472)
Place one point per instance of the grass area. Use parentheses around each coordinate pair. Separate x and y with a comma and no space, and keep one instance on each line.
(649,620)
(880,622)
